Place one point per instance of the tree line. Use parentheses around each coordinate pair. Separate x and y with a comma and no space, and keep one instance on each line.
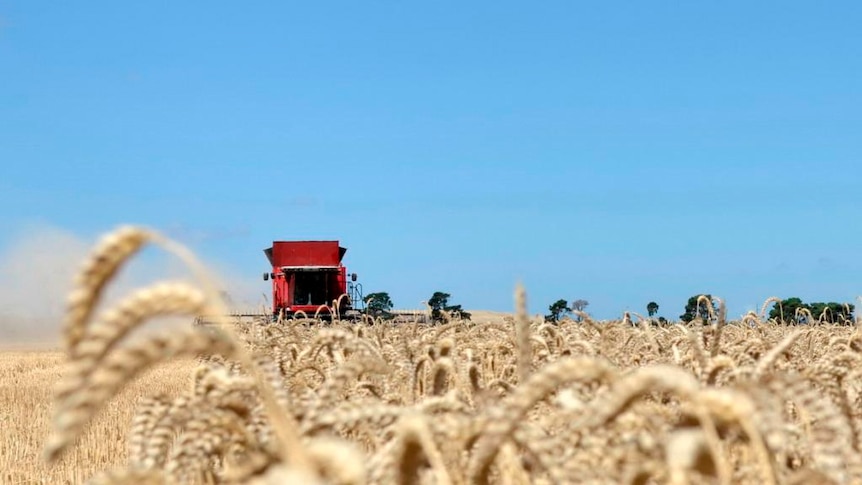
(790,310)
(379,305)
(794,310)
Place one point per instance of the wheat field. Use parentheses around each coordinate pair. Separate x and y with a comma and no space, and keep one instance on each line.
(515,400)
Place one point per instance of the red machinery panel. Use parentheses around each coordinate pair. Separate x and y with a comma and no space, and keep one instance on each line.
(305,253)
(306,275)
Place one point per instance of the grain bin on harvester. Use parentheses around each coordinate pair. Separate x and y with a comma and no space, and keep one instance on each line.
(310,277)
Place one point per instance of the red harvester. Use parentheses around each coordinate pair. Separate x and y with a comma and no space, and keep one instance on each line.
(309,276)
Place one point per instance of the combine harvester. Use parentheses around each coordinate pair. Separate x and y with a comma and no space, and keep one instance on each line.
(308,277)
(309,280)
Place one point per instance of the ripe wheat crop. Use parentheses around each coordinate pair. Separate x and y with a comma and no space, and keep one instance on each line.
(515,402)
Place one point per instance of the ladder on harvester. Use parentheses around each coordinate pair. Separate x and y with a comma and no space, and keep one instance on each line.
(354,292)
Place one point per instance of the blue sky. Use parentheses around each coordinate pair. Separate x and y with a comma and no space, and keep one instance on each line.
(618,152)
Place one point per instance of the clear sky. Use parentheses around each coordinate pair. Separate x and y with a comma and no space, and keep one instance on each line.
(618,152)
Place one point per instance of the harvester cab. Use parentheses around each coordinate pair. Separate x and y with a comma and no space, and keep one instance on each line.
(309,277)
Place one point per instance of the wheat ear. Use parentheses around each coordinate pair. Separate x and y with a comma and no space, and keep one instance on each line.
(98,340)
(733,406)
(208,434)
(119,368)
(655,378)
(770,300)
(415,446)
(150,411)
(151,447)
(722,320)
(506,417)
(522,334)
(767,360)
(111,251)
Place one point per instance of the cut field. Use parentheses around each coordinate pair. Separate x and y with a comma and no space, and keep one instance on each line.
(27,380)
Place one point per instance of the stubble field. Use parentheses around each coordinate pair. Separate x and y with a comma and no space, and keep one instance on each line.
(28,377)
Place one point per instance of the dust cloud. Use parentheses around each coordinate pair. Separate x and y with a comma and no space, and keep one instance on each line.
(35,275)
(39,264)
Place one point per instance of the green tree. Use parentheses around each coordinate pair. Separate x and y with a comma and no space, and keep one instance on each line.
(378,304)
(693,310)
(439,303)
(785,310)
(652,308)
(833,312)
(557,309)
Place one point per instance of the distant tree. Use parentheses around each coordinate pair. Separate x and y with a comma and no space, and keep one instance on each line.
(662,320)
(833,312)
(785,310)
(693,310)
(652,308)
(788,311)
(557,309)
(378,304)
(579,305)
(439,303)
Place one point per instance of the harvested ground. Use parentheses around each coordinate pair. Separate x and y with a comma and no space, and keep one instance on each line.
(27,378)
